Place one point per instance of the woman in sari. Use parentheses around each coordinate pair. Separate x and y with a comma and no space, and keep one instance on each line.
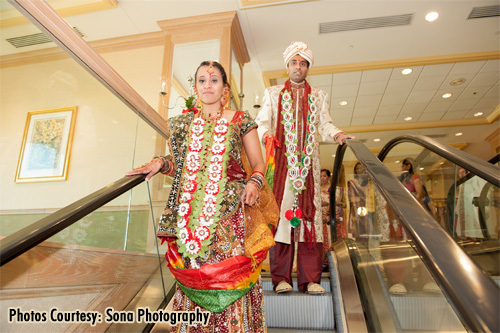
(361,202)
(216,232)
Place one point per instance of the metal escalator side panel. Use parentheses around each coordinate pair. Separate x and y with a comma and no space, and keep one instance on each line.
(382,316)
(352,308)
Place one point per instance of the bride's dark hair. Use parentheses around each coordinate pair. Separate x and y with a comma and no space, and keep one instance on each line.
(218,66)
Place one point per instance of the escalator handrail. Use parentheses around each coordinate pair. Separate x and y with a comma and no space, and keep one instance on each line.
(35,233)
(481,168)
(470,291)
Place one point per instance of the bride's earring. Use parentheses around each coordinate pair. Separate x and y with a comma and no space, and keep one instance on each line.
(226,97)
(198,105)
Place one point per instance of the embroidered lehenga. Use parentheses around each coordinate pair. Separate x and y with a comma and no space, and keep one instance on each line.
(216,244)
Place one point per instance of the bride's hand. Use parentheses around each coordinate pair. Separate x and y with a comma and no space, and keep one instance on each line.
(151,169)
(250,194)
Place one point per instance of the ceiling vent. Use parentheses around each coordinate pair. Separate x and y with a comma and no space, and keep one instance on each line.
(486,11)
(34,39)
(369,23)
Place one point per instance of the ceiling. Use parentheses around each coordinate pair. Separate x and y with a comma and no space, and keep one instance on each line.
(361,66)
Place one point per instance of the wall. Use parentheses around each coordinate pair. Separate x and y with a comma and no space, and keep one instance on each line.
(105,130)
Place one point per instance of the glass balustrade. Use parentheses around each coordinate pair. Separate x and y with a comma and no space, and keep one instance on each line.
(466,205)
(397,289)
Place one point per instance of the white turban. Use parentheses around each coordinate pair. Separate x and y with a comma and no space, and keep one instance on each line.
(299,48)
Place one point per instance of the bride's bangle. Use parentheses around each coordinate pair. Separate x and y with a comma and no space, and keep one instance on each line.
(167,165)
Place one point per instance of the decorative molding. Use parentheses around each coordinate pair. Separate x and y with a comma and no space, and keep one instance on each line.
(494,140)
(235,92)
(12,17)
(248,4)
(493,115)
(224,26)
(418,125)
(186,25)
(238,43)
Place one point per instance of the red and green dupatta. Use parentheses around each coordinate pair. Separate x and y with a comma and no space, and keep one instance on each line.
(216,286)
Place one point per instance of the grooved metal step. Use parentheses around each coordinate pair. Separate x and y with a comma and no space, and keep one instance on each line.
(425,312)
(297,310)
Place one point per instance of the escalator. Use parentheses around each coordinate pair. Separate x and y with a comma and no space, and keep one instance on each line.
(463,294)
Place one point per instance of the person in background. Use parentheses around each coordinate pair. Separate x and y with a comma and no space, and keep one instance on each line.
(398,253)
(410,180)
(294,115)
(468,225)
(415,185)
(340,207)
(217,215)
(361,202)
(325,213)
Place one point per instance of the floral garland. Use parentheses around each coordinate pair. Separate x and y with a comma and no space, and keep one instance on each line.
(201,192)
(298,168)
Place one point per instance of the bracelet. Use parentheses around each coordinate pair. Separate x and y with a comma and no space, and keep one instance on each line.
(259,173)
(167,165)
(259,186)
(257,180)
(257,177)
(168,168)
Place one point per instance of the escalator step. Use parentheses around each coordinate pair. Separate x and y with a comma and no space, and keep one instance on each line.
(297,310)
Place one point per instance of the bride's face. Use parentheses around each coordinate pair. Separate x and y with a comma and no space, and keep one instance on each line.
(209,85)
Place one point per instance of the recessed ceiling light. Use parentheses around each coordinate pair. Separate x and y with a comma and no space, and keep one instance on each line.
(447,95)
(457,82)
(343,103)
(477,114)
(421,169)
(459,133)
(406,71)
(408,118)
(432,16)
(376,140)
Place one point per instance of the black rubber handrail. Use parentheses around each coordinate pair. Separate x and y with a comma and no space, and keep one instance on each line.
(474,296)
(481,168)
(32,235)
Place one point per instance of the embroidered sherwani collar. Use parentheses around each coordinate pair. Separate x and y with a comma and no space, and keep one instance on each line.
(300,85)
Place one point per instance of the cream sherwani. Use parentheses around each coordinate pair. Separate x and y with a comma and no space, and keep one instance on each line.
(267,121)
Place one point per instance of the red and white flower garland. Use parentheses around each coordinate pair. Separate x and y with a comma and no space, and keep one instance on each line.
(299,163)
(201,194)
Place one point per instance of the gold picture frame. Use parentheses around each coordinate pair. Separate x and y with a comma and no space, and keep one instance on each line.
(46,145)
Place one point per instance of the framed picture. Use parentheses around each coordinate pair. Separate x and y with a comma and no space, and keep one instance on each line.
(46,145)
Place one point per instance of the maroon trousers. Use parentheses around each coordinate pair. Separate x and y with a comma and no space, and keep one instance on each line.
(309,263)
